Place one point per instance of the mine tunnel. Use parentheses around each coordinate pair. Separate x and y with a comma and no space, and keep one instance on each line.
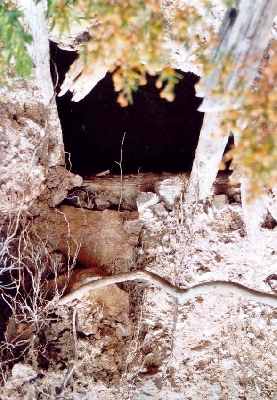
(160,136)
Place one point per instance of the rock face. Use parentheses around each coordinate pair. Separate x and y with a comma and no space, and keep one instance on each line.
(31,156)
(133,341)
(30,131)
(109,303)
(31,151)
(96,238)
(28,150)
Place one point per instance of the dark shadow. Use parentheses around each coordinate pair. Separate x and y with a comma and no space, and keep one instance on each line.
(160,136)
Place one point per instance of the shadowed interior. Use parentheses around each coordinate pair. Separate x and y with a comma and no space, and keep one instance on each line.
(160,136)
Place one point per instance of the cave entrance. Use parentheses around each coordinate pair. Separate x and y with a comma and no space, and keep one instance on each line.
(159,136)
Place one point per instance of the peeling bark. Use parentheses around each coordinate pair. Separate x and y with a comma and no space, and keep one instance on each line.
(242,36)
(208,155)
(35,15)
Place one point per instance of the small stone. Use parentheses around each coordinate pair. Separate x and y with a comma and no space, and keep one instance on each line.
(158,380)
(220,201)
(148,391)
(22,371)
(227,364)
(76,180)
(145,200)
(250,335)
(101,204)
(133,227)
(216,388)
(160,210)
(170,189)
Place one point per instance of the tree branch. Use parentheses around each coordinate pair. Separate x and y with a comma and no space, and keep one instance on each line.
(183,295)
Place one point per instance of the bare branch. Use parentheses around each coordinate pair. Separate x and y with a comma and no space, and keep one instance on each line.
(183,295)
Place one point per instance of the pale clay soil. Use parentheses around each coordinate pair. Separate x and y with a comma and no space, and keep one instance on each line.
(214,347)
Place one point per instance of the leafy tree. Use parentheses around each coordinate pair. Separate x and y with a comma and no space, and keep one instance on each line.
(256,122)
(130,37)
(14,58)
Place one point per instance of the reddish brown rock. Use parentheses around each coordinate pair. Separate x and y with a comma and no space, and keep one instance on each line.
(93,237)
(101,306)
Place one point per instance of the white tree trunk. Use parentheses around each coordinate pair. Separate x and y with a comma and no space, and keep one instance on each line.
(244,36)
(245,31)
(254,214)
(35,15)
(208,155)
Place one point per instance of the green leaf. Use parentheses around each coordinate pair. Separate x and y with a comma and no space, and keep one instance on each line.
(13,38)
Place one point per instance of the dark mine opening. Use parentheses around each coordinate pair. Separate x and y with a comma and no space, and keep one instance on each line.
(160,136)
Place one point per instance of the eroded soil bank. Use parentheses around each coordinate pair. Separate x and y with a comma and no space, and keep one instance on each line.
(132,340)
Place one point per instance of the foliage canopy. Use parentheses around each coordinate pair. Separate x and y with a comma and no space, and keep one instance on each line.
(131,38)
(256,123)
(14,57)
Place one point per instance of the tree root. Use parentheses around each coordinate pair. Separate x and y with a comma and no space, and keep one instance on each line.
(183,295)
